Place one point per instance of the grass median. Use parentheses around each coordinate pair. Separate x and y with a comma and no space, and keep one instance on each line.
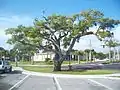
(74,72)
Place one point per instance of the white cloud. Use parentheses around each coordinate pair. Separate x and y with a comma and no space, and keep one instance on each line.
(117,33)
(9,22)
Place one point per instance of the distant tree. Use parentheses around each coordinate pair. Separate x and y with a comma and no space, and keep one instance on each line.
(24,51)
(112,43)
(2,52)
(87,51)
(100,56)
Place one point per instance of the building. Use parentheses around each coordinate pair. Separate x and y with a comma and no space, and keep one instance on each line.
(41,56)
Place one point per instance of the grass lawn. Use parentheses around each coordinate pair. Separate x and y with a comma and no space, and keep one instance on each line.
(29,63)
(86,72)
(42,63)
(73,62)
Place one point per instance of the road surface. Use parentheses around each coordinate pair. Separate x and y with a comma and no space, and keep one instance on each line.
(7,80)
(18,81)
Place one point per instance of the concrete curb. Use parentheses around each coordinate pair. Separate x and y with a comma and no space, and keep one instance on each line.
(66,75)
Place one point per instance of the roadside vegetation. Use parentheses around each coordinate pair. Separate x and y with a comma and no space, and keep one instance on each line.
(111,62)
(49,69)
(49,63)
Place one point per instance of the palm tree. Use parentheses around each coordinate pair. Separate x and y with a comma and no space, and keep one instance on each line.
(79,53)
(93,54)
(87,51)
(2,52)
(112,43)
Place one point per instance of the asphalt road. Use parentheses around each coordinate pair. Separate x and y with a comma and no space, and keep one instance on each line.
(96,65)
(7,80)
(49,83)
(89,84)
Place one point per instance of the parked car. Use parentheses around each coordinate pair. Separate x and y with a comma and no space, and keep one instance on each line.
(5,66)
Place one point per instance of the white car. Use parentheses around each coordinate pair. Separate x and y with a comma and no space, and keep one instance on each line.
(5,66)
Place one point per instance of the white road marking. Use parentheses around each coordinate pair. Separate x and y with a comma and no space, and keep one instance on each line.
(18,83)
(3,75)
(100,84)
(114,78)
(57,83)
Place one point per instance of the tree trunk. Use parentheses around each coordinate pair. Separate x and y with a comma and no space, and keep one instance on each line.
(118,55)
(86,57)
(114,54)
(78,59)
(57,63)
(90,56)
(57,66)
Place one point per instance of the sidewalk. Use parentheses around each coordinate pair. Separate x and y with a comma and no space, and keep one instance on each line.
(64,75)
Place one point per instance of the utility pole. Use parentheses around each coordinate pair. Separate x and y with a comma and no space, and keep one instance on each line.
(110,54)
(90,54)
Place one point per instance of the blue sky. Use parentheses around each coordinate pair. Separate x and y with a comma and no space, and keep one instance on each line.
(15,12)
(33,8)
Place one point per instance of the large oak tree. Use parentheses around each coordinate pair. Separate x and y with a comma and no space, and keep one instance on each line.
(58,33)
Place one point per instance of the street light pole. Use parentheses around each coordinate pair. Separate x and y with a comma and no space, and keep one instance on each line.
(90,51)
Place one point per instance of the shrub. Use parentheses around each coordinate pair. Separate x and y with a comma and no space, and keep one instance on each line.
(50,62)
(47,59)
(107,62)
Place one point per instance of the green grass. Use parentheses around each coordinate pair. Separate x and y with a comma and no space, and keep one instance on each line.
(72,62)
(38,69)
(86,72)
(42,63)
(29,63)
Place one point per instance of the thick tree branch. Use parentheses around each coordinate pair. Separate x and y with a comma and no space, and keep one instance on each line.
(51,39)
(71,45)
(61,36)
(53,42)
(25,43)
(51,32)
(38,46)
(74,40)
(47,49)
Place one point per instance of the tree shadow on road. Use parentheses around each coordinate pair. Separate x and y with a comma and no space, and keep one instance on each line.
(16,72)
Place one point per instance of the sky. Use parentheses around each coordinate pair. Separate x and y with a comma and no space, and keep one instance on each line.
(17,12)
